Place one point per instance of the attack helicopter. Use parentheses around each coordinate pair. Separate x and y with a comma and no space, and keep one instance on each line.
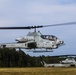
(35,40)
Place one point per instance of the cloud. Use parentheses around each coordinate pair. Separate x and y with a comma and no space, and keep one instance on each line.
(64,2)
(37,12)
(5,22)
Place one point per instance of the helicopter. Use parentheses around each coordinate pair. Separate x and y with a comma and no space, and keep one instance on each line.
(35,40)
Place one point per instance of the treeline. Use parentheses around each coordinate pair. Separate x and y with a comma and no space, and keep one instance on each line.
(14,58)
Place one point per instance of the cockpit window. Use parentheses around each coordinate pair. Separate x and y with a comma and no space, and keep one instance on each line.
(49,37)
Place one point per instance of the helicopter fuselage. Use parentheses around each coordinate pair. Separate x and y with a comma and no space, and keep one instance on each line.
(35,40)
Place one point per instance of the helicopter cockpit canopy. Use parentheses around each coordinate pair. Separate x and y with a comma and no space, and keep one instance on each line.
(49,37)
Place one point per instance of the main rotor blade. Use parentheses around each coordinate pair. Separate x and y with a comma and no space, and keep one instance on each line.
(28,27)
(61,24)
(34,27)
(14,27)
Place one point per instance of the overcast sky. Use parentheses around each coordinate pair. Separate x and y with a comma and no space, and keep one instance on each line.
(40,12)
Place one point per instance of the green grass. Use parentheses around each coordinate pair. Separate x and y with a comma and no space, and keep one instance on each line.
(38,71)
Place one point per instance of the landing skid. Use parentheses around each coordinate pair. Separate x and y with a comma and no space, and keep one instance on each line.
(41,51)
(37,51)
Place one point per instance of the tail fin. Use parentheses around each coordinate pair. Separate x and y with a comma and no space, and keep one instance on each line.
(43,63)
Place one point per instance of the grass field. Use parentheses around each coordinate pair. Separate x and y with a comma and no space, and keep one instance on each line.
(38,71)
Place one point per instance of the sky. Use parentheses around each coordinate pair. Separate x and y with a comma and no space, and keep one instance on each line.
(40,12)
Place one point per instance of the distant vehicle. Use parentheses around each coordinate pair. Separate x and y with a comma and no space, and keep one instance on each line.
(69,62)
(52,65)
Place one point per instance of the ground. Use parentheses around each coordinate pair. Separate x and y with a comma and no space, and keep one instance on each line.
(38,71)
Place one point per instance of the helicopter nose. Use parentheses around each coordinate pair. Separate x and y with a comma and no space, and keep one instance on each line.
(60,42)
